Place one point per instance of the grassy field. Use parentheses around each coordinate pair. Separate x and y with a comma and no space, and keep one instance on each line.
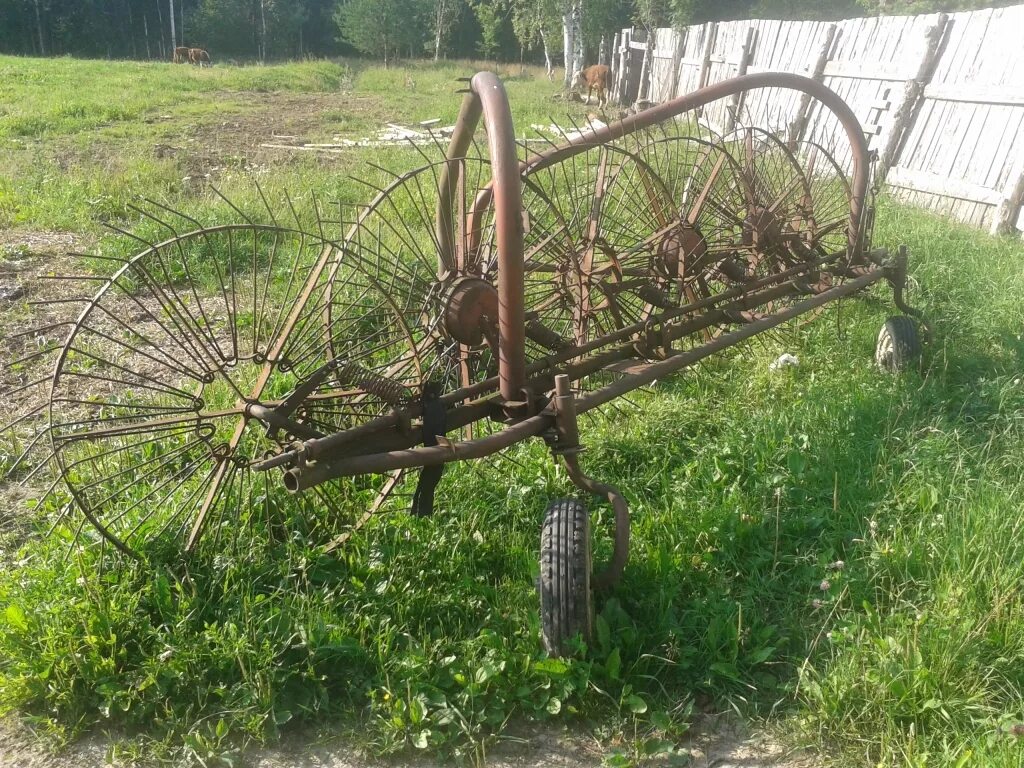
(830,550)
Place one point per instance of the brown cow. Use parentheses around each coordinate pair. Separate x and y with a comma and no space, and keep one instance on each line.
(180,55)
(596,76)
(200,57)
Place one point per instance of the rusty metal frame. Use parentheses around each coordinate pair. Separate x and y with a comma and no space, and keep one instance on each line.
(535,398)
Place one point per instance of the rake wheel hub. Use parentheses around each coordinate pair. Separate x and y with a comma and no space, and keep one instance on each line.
(680,248)
(471,310)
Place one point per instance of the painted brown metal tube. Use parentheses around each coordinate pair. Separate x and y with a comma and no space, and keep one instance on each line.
(458,145)
(706,95)
(375,431)
(508,213)
(567,447)
(303,478)
(487,96)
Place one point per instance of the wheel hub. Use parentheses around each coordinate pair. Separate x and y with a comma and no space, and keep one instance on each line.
(471,310)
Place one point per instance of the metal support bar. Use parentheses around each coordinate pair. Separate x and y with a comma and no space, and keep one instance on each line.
(301,478)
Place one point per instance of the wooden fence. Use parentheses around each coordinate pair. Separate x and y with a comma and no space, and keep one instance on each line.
(941,96)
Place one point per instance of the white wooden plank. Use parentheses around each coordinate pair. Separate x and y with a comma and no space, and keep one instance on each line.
(875,71)
(1012,95)
(937,184)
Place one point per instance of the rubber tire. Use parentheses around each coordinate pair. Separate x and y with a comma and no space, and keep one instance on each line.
(566,603)
(899,345)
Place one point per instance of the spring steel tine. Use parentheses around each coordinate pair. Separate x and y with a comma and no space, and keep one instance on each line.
(263,198)
(157,219)
(61,515)
(23,417)
(100,256)
(234,207)
(9,473)
(174,211)
(319,220)
(39,330)
(73,544)
(126,233)
(422,152)
(74,278)
(39,467)
(388,172)
(48,302)
(34,355)
(291,207)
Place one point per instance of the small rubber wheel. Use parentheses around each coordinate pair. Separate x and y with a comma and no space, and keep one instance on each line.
(566,605)
(899,345)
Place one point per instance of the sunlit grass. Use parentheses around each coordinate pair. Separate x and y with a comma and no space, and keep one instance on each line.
(833,549)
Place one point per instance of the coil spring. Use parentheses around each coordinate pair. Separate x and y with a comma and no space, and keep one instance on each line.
(537,332)
(356,377)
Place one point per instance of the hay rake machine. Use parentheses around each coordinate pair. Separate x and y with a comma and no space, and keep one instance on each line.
(234,373)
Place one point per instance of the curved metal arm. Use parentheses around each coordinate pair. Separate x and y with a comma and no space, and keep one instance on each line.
(666,111)
(487,97)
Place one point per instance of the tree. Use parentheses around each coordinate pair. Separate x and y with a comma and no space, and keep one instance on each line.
(443,16)
(536,21)
(174,39)
(489,15)
(381,27)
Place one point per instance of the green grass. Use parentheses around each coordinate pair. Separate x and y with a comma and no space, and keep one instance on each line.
(832,549)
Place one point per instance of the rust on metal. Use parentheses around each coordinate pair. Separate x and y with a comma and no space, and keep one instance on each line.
(477,302)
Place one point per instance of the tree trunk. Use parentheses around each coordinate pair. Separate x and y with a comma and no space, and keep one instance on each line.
(263,31)
(437,38)
(549,68)
(568,44)
(577,51)
(160,27)
(131,29)
(145,30)
(174,35)
(572,38)
(39,27)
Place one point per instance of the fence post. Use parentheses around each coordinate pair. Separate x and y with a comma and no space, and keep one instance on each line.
(736,103)
(799,124)
(677,58)
(709,44)
(623,73)
(644,91)
(613,63)
(1005,220)
(913,96)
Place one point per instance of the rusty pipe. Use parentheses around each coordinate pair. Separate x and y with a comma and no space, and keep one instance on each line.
(487,97)
(654,371)
(458,145)
(303,478)
(706,95)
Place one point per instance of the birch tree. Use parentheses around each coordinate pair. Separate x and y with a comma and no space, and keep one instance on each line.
(443,16)
(572,39)
(536,21)
(174,37)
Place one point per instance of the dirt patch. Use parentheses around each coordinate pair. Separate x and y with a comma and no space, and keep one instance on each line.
(715,742)
(251,119)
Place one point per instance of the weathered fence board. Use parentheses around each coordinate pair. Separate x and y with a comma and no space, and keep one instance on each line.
(941,97)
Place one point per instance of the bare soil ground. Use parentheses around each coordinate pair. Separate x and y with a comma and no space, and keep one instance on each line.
(716,742)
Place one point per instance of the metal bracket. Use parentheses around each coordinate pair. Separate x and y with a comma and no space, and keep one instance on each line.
(896,273)
(566,444)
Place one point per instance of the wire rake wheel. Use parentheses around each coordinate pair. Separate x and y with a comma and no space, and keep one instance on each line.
(150,402)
